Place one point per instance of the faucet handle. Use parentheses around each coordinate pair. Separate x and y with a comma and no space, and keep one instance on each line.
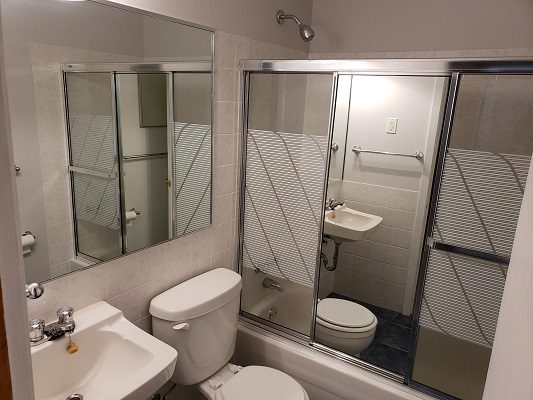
(64,315)
(36,330)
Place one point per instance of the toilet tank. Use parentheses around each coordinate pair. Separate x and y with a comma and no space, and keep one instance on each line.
(199,319)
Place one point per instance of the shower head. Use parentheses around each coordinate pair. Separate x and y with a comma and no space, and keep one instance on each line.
(306,32)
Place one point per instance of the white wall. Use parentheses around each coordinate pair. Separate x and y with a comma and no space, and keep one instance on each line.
(511,363)
(415,25)
(373,100)
(382,269)
(255,19)
(11,264)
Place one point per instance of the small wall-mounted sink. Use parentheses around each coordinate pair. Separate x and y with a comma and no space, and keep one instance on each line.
(115,360)
(347,225)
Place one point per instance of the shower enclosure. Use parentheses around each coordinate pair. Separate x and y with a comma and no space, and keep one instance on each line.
(140,154)
(439,151)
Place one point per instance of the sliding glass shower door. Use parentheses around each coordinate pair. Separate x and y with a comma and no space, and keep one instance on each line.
(471,232)
(283,192)
(94,164)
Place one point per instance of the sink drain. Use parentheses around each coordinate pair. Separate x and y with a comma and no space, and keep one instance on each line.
(75,396)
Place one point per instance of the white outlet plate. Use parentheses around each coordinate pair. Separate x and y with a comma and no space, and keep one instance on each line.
(392,125)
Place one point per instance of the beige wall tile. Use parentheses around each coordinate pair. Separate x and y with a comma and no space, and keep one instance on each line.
(128,303)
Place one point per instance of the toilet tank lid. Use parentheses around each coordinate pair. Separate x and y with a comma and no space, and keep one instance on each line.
(197,296)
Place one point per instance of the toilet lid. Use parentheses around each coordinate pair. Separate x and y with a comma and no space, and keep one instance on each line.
(261,383)
(344,313)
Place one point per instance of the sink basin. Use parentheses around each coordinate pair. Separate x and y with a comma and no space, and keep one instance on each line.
(347,225)
(115,360)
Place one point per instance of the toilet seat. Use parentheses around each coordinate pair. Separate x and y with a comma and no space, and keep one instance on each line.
(345,316)
(261,383)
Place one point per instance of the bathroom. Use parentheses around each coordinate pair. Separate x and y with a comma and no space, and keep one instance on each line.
(126,173)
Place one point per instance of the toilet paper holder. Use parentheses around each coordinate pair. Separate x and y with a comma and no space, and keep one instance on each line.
(29,233)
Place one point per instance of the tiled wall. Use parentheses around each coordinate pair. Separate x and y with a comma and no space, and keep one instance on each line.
(493,114)
(130,282)
(374,270)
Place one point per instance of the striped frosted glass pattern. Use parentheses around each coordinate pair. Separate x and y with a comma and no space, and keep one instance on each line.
(92,142)
(96,200)
(283,203)
(462,297)
(93,147)
(479,202)
(192,177)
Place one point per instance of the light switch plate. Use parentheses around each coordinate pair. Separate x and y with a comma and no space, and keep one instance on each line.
(392,125)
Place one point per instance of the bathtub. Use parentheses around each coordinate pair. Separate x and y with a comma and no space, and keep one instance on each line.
(291,308)
(324,377)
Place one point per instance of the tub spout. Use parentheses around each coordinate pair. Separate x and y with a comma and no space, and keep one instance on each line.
(272,284)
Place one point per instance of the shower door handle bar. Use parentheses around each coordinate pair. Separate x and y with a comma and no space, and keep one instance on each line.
(418,154)
(436,245)
(141,156)
(99,174)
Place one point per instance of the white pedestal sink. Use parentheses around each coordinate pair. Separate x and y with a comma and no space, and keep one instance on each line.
(116,360)
(346,225)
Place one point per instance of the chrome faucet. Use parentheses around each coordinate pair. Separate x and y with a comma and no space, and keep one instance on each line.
(332,204)
(272,284)
(40,333)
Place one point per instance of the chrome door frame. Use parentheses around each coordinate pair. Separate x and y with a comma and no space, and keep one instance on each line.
(448,68)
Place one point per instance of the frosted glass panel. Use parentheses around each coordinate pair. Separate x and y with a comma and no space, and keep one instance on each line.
(191,145)
(483,182)
(93,148)
(286,152)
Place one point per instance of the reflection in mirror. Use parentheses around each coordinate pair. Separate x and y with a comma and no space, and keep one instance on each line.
(286,148)
(375,215)
(102,176)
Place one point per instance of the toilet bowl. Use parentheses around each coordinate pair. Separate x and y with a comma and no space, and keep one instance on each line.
(344,325)
(199,319)
(244,383)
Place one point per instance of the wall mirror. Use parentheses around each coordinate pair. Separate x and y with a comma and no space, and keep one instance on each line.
(384,144)
(111,118)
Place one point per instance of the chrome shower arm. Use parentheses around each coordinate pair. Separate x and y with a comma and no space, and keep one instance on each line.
(281,17)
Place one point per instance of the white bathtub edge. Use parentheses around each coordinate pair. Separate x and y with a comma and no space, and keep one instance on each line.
(338,378)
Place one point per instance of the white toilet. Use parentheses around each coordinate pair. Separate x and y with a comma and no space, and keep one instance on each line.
(199,319)
(344,325)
